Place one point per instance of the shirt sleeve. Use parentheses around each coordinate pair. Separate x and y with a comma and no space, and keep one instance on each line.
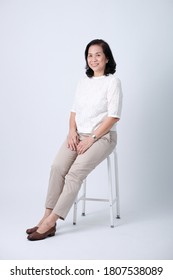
(73,108)
(74,104)
(114,98)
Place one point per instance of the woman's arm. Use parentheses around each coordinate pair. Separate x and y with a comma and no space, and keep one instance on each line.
(99,132)
(73,137)
(105,126)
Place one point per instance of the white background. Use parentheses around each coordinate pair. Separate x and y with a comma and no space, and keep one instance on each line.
(41,60)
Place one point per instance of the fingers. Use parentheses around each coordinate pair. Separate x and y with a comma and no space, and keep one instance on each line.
(82,149)
(80,146)
(84,145)
(72,144)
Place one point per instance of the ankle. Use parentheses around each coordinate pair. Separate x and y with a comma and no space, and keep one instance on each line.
(51,220)
(47,213)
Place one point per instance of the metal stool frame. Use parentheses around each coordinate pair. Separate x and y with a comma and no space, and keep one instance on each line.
(112,198)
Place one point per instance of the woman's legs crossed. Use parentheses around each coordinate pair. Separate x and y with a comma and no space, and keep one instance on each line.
(79,170)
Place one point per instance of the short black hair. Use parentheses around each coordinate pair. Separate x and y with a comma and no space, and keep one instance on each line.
(110,66)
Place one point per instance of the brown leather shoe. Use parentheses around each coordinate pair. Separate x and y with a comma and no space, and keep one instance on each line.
(39,236)
(31,230)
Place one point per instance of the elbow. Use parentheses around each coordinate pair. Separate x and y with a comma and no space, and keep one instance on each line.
(115,120)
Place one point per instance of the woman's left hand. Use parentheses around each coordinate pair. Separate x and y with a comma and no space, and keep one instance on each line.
(85,144)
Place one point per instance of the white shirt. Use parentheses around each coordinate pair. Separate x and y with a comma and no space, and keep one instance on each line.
(97,98)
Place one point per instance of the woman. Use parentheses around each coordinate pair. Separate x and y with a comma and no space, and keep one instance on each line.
(91,138)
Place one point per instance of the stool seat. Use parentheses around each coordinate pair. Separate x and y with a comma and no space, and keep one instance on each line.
(113,191)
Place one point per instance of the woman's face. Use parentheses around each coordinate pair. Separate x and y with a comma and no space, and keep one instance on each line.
(97,60)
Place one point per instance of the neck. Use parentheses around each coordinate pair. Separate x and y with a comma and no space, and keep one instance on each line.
(98,74)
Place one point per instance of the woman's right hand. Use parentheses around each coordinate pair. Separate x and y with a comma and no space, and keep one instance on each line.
(73,140)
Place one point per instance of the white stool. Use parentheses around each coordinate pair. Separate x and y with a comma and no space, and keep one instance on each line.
(113,198)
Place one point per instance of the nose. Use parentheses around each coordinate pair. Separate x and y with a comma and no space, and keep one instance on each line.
(94,58)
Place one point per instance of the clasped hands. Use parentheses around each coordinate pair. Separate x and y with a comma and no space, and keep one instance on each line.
(75,144)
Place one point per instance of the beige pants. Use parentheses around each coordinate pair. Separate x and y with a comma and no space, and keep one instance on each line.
(70,169)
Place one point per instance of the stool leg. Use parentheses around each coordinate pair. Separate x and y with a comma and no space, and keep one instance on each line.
(76,203)
(117,185)
(84,196)
(75,212)
(110,192)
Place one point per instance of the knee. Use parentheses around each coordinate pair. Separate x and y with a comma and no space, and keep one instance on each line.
(75,177)
(58,169)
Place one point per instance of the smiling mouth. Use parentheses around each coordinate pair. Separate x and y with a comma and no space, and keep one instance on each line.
(94,65)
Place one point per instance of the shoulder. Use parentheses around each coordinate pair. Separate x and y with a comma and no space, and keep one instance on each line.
(113,81)
(113,78)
